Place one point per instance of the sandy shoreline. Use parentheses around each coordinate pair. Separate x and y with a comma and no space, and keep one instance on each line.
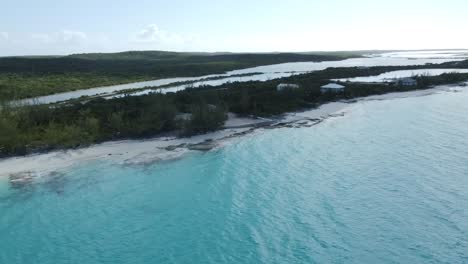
(163,148)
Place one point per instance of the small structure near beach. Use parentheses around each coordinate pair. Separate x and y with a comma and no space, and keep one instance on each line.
(407,82)
(286,86)
(332,88)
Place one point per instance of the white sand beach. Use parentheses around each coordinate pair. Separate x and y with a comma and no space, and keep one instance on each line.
(167,148)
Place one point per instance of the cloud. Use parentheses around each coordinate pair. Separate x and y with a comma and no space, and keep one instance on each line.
(152,33)
(72,36)
(60,42)
(4,36)
(67,37)
(151,36)
(45,38)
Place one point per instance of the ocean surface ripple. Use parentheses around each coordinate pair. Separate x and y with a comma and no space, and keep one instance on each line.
(386,183)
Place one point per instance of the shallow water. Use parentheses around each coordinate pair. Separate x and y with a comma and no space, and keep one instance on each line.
(267,72)
(391,76)
(428,54)
(386,183)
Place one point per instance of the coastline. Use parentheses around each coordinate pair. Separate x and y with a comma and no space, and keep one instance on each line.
(141,152)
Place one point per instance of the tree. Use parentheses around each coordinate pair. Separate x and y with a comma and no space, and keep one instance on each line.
(205,118)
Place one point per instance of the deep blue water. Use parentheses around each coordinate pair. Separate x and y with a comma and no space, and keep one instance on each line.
(386,183)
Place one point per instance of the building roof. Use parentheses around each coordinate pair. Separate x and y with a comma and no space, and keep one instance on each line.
(333,86)
(286,86)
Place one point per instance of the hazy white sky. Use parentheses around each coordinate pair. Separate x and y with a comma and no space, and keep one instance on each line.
(68,26)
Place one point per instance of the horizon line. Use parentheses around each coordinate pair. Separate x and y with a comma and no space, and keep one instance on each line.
(240,52)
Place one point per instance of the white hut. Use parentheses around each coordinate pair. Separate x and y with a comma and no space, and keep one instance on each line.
(286,86)
(332,88)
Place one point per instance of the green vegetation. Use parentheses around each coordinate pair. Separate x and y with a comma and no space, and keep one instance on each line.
(26,77)
(38,128)
(204,118)
(193,111)
(16,86)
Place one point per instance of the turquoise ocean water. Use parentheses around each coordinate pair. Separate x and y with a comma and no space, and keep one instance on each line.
(386,183)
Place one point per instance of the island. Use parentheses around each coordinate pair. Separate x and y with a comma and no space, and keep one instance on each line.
(77,123)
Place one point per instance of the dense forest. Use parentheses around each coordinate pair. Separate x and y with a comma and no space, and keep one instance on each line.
(36,128)
(26,77)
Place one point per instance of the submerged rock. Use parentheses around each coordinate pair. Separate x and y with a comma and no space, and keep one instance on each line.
(205,146)
(174,147)
(19,180)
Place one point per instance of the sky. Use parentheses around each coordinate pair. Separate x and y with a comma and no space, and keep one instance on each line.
(56,27)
